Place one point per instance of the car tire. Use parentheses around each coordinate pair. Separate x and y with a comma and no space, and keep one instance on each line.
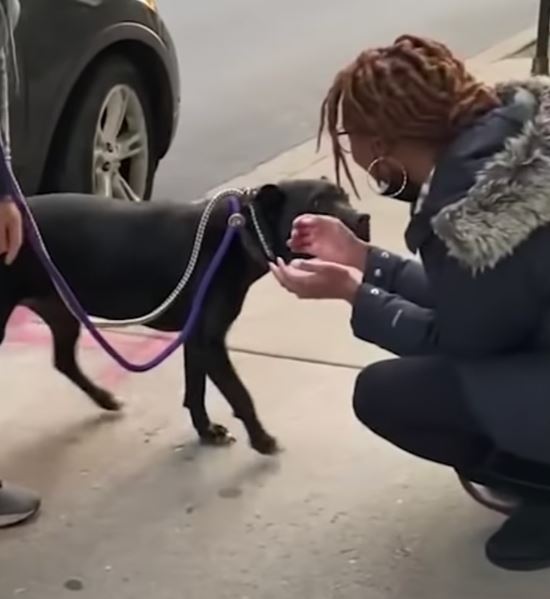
(73,165)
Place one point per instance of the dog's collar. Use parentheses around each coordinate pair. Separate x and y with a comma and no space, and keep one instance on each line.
(260,233)
(238,220)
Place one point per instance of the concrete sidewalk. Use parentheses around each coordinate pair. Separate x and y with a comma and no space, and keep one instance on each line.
(135,509)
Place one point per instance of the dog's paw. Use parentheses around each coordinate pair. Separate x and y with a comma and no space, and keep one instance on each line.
(107,401)
(265,444)
(217,435)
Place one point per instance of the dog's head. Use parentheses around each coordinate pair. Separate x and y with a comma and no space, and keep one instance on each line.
(278,206)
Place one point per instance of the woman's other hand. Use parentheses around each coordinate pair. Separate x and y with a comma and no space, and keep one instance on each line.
(328,239)
(318,279)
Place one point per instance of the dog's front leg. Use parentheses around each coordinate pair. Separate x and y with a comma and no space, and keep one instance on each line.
(222,373)
(194,398)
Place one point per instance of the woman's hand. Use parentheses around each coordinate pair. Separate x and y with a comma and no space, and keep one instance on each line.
(317,279)
(11,230)
(327,238)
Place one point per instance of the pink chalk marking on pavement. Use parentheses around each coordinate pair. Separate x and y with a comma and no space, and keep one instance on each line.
(26,328)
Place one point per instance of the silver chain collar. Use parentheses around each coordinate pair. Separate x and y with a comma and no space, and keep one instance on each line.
(237,220)
(260,234)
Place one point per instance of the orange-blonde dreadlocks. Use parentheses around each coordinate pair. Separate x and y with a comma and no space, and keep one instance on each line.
(415,88)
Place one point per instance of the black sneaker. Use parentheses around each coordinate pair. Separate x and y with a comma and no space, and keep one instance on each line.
(16,505)
(523,541)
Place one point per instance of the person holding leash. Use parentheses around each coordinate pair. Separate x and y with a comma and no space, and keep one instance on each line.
(470,321)
(16,504)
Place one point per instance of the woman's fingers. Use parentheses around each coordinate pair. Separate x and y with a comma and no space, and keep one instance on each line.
(304,220)
(277,273)
(280,273)
(312,220)
(300,243)
(315,227)
(305,224)
(291,278)
(290,271)
(285,272)
(302,234)
(306,232)
(310,266)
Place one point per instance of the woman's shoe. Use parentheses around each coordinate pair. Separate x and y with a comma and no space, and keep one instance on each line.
(16,505)
(523,542)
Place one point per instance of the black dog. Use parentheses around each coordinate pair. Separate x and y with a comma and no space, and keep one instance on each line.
(123,259)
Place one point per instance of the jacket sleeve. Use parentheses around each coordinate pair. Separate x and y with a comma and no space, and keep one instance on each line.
(9,17)
(398,275)
(7,185)
(476,315)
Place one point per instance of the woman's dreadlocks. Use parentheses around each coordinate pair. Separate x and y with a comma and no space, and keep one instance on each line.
(414,88)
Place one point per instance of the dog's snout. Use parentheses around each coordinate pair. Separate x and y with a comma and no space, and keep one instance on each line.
(363,227)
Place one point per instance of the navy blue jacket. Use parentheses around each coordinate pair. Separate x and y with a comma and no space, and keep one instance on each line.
(480,293)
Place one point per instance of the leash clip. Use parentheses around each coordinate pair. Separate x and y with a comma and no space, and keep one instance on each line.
(236,221)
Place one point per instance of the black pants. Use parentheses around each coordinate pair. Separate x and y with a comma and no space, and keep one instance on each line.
(416,404)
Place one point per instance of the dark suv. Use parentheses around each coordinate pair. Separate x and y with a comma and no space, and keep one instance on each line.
(98,97)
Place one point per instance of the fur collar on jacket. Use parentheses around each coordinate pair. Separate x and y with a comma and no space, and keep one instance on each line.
(511,196)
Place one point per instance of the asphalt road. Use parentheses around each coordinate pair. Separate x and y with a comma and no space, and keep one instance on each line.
(254,72)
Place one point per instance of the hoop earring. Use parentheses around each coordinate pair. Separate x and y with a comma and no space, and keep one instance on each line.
(371,177)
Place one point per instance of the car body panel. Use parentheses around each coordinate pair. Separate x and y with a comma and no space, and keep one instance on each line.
(55,48)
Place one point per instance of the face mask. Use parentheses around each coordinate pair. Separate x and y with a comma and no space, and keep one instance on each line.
(392,181)
(409,193)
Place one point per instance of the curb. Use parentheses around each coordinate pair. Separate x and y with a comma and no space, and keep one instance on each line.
(508,47)
(295,160)
(286,165)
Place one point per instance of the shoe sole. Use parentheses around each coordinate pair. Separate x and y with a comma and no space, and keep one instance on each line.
(7,521)
(520,565)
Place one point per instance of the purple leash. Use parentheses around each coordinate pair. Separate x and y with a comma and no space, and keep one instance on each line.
(69,297)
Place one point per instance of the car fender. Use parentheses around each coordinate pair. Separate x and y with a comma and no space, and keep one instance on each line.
(103,42)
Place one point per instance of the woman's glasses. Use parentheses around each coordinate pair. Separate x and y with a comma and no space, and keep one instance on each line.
(343,139)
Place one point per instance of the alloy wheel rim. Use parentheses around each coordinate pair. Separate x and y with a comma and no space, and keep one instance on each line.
(121,148)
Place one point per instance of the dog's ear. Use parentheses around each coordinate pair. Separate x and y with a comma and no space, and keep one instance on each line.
(270,196)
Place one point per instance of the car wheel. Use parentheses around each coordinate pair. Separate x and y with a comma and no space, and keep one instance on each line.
(105,142)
